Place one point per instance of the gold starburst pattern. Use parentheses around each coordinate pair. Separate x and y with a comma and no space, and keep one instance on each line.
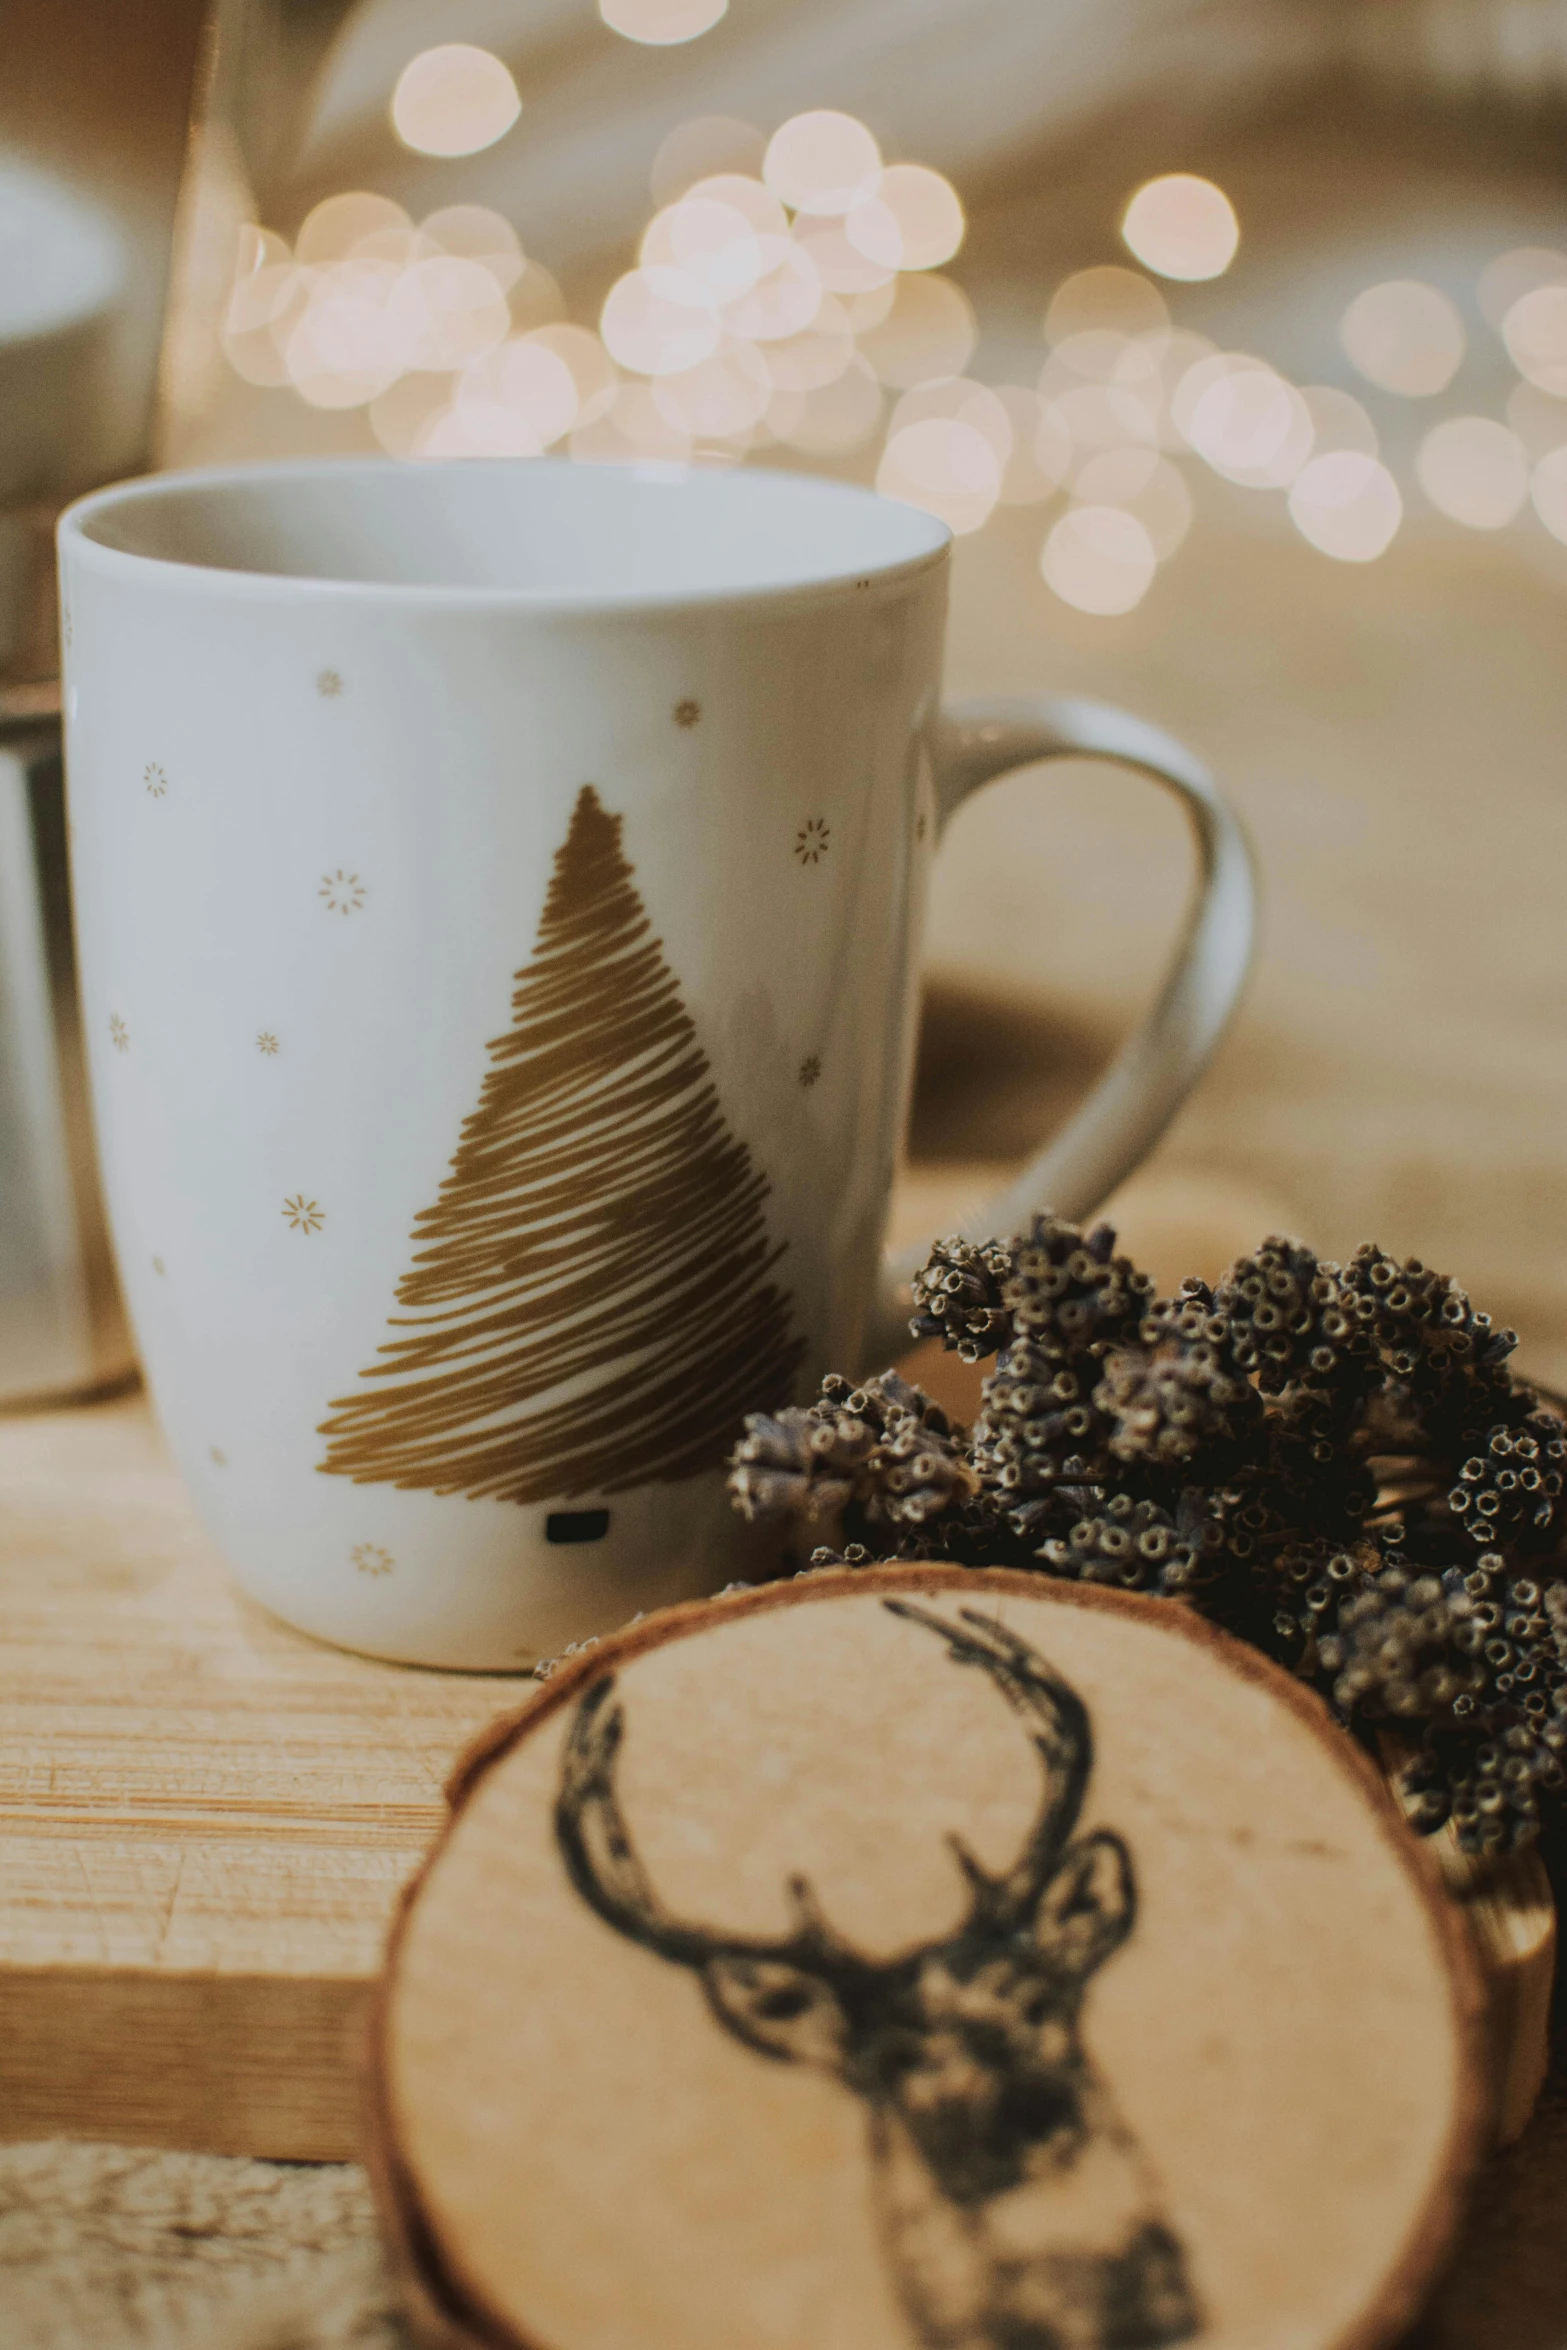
(119,1034)
(303,1214)
(371,1559)
(341,893)
(266,1043)
(687,713)
(154,778)
(810,842)
(810,1070)
(329,685)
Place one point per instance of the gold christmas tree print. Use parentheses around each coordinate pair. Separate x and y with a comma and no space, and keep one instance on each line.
(589,1305)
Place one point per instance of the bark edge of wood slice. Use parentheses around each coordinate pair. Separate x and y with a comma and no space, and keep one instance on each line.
(776,1986)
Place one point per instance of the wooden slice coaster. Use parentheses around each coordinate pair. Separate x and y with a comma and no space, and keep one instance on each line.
(923,1960)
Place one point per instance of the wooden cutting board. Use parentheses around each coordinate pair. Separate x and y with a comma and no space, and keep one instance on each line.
(206,1820)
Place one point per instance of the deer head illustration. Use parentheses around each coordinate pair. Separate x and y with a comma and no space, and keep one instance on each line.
(1017,2210)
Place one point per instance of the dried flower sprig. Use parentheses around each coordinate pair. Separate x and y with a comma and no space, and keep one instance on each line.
(1332,1461)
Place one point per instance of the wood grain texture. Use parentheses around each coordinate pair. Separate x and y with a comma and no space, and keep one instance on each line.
(1284,2049)
(205,1818)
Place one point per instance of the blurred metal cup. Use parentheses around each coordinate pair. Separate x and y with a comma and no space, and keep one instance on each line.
(95,101)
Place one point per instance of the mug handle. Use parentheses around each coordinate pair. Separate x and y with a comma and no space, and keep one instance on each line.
(1159,1064)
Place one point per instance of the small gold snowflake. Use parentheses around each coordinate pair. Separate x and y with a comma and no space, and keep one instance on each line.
(119,1034)
(154,778)
(810,1070)
(329,684)
(266,1042)
(218,1458)
(687,713)
(303,1214)
(371,1559)
(810,842)
(341,893)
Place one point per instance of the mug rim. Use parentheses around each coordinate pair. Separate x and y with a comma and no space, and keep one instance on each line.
(930,539)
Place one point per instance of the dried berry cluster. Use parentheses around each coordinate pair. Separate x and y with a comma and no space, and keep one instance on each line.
(1332,1461)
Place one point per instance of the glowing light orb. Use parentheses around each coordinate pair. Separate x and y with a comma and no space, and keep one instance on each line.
(929,330)
(822,162)
(1535,332)
(454,100)
(1347,505)
(832,419)
(1474,470)
(1107,299)
(1405,337)
(661,24)
(1099,559)
(1181,226)
(651,324)
(914,220)
(945,466)
(1548,490)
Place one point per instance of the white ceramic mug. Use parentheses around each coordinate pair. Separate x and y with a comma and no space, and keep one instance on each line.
(499,893)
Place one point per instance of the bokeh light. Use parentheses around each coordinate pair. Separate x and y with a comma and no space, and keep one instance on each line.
(514,402)
(1535,332)
(1538,418)
(535,299)
(1041,455)
(445,312)
(822,162)
(914,220)
(1474,470)
(696,150)
(724,395)
(347,343)
(928,330)
(472,232)
(1338,421)
(833,419)
(960,398)
(1347,505)
(660,24)
(654,322)
(1245,421)
(590,366)
(1107,299)
(1181,226)
(945,466)
(1143,484)
(454,100)
(332,229)
(1100,559)
(630,431)
(1404,336)
(711,242)
(785,299)
(1514,274)
(840,265)
(808,361)
(1548,490)
(402,415)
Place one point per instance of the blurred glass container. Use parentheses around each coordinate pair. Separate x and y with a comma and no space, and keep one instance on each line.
(94,111)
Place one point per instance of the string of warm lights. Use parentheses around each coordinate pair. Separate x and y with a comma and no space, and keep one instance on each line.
(789,293)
